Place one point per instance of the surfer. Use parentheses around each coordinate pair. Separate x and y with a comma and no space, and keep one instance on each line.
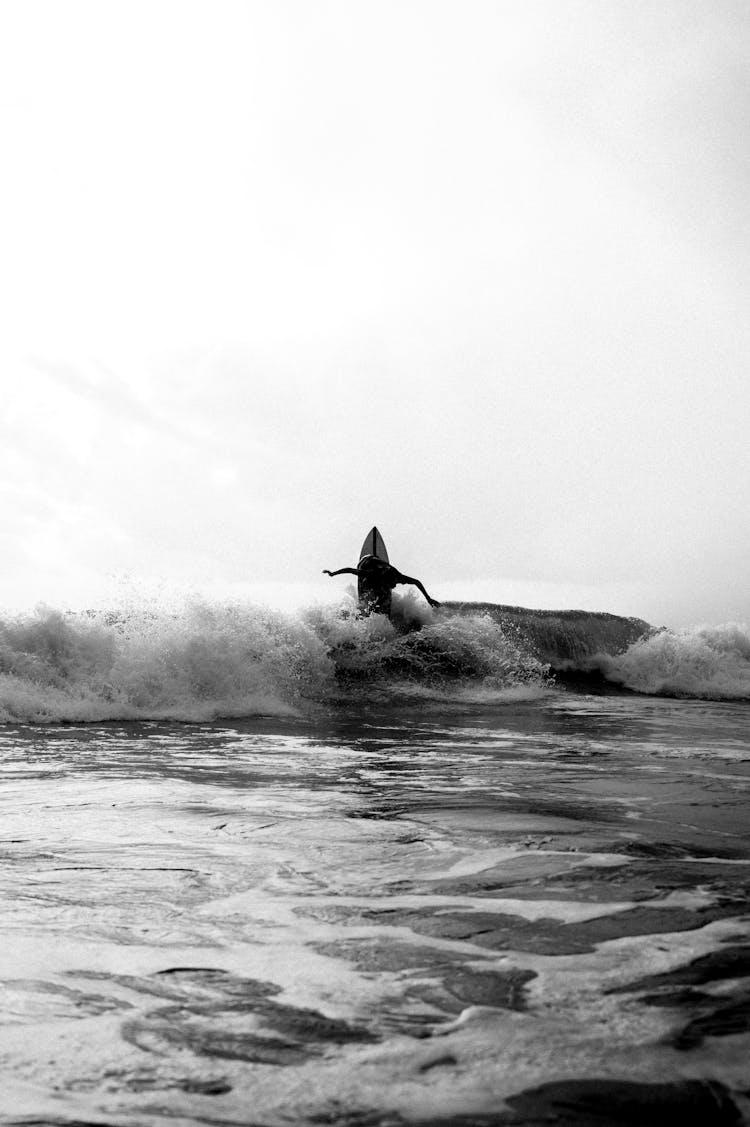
(376,580)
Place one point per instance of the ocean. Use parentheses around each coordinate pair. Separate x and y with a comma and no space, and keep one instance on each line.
(486,866)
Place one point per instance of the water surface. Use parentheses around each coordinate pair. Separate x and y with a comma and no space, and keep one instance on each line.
(417,912)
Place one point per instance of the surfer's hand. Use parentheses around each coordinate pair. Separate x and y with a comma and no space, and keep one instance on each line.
(326,571)
(433,602)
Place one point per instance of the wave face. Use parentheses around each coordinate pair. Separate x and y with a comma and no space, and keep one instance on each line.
(209,660)
(706,662)
(562,638)
(703,662)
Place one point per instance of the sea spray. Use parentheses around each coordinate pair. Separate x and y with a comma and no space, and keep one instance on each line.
(424,647)
(201,662)
(208,660)
(204,660)
(708,662)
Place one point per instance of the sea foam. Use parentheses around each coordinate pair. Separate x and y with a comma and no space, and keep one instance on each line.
(204,660)
(207,660)
(708,662)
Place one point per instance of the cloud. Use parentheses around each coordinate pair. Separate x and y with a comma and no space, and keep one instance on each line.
(104,389)
(478,277)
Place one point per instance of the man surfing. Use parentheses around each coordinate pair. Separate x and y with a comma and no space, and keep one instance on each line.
(376,579)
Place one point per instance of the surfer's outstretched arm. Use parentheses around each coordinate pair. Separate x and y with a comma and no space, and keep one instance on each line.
(416,583)
(341,571)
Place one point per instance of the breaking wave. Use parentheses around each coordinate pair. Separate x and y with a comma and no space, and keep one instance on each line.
(706,662)
(209,660)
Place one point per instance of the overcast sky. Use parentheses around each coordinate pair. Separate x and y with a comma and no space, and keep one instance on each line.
(272,272)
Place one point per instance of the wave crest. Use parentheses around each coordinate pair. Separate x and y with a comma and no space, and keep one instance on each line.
(708,662)
(209,660)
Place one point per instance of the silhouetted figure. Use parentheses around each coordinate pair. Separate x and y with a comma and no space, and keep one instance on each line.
(375,582)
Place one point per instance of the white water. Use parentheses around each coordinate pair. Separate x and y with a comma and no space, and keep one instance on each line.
(220,659)
(207,659)
(712,662)
(193,913)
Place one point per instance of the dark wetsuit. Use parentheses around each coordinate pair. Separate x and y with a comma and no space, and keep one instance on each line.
(375,582)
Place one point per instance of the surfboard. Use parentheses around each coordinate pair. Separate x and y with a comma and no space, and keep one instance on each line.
(374,545)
